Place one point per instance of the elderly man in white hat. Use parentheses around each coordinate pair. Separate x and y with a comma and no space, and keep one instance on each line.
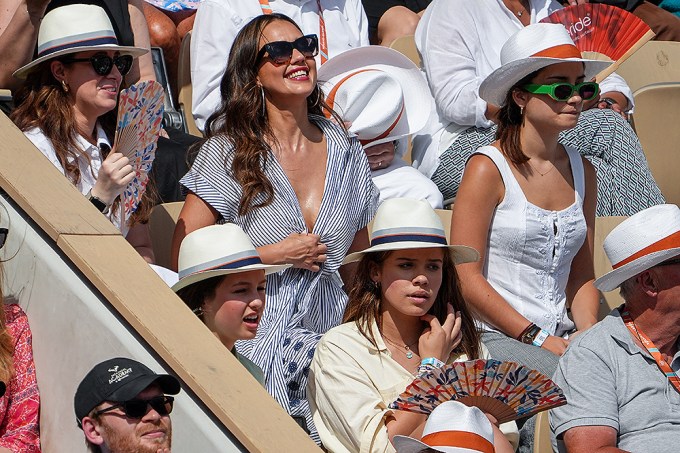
(384,99)
(619,377)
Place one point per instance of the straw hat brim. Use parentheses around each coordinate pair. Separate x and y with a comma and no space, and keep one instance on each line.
(612,279)
(204,275)
(495,87)
(460,253)
(23,72)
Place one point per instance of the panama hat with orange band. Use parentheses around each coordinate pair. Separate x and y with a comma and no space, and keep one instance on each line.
(533,48)
(641,242)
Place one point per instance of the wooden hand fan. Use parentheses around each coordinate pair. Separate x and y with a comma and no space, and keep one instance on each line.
(506,390)
(603,32)
(140,114)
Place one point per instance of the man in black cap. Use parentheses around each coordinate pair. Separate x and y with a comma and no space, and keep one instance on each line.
(123,407)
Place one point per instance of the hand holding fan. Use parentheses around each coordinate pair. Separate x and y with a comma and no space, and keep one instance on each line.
(140,113)
(603,32)
(506,390)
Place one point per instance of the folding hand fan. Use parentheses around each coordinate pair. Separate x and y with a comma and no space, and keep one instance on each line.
(506,390)
(603,32)
(140,113)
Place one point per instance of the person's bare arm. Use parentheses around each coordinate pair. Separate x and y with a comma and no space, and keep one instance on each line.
(142,69)
(139,237)
(581,292)
(481,190)
(19,24)
(591,439)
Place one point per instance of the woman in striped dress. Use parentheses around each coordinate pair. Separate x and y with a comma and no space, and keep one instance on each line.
(295,183)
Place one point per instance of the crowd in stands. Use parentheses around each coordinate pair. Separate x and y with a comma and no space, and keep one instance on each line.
(305,128)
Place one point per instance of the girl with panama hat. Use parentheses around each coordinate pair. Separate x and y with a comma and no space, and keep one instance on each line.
(528,203)
(67,108)
(405,314)
(222,280)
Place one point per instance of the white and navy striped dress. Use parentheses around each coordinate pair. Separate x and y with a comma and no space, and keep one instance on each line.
(301,305)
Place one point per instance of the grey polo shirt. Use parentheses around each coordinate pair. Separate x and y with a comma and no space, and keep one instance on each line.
(608,380)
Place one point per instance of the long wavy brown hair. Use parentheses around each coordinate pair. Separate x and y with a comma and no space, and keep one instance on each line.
(365,302)
(510,123)
(240,116)
(43,103)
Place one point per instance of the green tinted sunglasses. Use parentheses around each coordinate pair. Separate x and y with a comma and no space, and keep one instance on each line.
(563,91)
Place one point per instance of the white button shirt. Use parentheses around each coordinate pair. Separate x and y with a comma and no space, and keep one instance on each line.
(218,21)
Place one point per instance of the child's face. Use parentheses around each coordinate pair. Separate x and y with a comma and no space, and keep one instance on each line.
(236,309)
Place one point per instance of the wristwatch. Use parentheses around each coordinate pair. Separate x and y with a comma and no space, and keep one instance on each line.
(98,203)
(529,334)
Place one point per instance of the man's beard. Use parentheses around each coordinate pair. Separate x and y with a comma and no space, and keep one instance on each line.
(118,443)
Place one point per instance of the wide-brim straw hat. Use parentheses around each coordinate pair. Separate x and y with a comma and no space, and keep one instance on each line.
(379,91)
(452,427)
(218,250)
(532,48)
(640,242)
(403,223)
(75,28)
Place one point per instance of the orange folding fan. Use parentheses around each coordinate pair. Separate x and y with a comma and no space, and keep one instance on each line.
(506,390)
(603,32)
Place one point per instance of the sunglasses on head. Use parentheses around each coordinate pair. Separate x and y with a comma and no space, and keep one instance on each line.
(139,408)
(103,64)
(280,52)
(563,91)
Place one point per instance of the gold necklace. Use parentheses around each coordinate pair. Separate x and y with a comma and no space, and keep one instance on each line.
(537,171)
(407,347)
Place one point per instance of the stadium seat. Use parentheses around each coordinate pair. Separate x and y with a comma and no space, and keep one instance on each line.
(603,226)
(655,62)
(162,226)
(184,82)
(542,443)
(657,109)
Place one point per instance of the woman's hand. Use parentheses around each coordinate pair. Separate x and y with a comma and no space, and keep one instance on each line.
(305,251)
(438,340)
(380,156)
(556,345)
(114,175)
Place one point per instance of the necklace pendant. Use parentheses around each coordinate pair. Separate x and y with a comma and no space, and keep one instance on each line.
(409,354)
(519,13)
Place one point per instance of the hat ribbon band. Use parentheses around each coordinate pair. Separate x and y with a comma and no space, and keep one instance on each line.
(669,242)
(247,261)
(330,99)
(387,131)
(460,439)
(435,239)
(561,51)
(98,41)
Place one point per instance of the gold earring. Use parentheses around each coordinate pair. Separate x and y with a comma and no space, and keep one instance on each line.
(64,85)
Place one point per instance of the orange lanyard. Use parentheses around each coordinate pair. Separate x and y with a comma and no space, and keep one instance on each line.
(323,42)
(653,350)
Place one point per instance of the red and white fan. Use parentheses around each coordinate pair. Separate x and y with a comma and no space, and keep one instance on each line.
(506,390)
(603,32)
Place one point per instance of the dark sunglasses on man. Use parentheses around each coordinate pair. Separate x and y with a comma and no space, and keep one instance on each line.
(138,408)
(281,52)
(563,91)
(103,64)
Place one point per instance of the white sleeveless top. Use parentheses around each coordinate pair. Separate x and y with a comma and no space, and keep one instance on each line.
(530,249)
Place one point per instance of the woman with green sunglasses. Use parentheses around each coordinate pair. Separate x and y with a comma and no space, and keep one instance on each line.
(527,203)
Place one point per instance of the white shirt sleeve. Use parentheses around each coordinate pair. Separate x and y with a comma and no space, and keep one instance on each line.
(211,39)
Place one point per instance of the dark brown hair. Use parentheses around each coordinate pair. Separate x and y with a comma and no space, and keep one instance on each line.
(365,302)
(240,116)
(196,294)
(510,123)
(6,345)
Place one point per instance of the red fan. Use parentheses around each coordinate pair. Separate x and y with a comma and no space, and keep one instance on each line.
(603,32)
(506,390)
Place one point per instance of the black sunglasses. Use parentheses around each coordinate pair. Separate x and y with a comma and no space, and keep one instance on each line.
(280,52)
(103,64)
(669,262)
(139,408)
(3,236)
(563,91)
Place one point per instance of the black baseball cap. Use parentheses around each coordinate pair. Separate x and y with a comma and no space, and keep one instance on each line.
(117,380)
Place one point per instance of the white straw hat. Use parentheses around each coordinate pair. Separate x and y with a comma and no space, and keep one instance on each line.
(530,49)
(452,427)
(75,28)
(403,223)
(218,250)
(379,91)
(640,242)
